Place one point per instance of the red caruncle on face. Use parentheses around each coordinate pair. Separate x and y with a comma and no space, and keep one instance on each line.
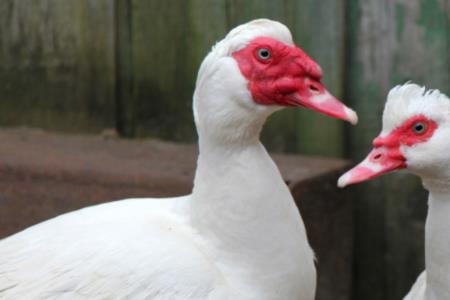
(387,154)
(415,130)
(283,75)
(275,70)
(387,149)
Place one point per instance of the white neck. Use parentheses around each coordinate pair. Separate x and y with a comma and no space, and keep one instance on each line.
(437,240)
(242,205)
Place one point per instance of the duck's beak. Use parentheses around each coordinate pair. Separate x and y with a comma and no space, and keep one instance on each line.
(313,95)
(320,100)
(379,161)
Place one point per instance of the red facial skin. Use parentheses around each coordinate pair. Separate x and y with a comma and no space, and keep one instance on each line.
(405,135)
(288,78)
(387,155)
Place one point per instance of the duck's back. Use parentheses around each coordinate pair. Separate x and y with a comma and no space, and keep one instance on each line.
(129,249)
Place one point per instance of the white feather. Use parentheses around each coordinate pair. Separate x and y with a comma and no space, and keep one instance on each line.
(405,101)
(119,250)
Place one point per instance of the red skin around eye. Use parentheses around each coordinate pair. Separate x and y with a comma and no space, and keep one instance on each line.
(283,73)
(403,135)
(386,155)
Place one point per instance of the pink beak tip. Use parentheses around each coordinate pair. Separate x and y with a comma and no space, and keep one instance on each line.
(343,181)
(352,117)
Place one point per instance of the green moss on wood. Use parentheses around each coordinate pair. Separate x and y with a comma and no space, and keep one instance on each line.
(434,20)
(400,18)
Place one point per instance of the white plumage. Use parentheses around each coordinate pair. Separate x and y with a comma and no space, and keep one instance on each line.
(239,234)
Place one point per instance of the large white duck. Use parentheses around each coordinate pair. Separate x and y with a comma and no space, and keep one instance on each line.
(416,135)
(238,235)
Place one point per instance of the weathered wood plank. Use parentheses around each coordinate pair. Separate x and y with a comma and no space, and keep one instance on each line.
(169,40)
(366,100)
(125,106)
(57,64)
(391,42)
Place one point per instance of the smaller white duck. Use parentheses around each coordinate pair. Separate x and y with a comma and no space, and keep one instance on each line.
(416,135)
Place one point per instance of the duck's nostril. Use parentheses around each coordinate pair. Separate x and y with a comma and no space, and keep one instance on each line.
(314,89)
(378,156)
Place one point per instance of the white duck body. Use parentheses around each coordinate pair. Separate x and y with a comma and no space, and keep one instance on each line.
(137,248)
(427,154)
(239,234)
(434,283)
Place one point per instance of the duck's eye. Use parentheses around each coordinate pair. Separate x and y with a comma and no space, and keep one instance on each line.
(419,128)
(264,53)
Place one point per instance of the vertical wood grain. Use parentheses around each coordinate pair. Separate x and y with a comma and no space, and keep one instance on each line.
(169,41)
(57,64)
(124,100)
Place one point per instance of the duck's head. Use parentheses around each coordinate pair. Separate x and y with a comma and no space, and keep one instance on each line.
(415,135)
(255,70)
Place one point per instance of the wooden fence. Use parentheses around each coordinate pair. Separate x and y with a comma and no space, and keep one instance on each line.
(85,65)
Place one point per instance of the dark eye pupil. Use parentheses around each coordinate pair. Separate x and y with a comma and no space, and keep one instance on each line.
(419,128)
(264,53)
